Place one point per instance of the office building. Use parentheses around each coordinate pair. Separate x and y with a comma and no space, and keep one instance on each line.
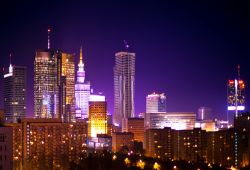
(46,96)
(124,86)
(122,141)
(66,84)
(14,93)
(156,103)
(174,120)
(97,121)
(135,126)
(82,91)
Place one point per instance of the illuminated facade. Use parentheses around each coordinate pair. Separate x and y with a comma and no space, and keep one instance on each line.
(124,86)
(82,91)
(156,103)
(135,126)
(46,97)
(175,120)
(158,143)
(66,82)
(97,121)
(46,143)
(14,93)
(236,95)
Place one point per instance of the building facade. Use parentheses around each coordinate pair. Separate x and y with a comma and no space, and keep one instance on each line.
(14,93)
(54,89)
(82,91)
(122,141)
(158,143)
(46,92)
(235,97)
(124,86)
(175,120)
(156,103)
(66,83)
(46,143)
(135,126)
(97,121)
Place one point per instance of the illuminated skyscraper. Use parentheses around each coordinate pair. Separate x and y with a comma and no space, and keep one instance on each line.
(82,91)
(236,94)
(45,84)
(97,122)
(54,89)
(66,81)
(15,93)
(124,86)
(156,103)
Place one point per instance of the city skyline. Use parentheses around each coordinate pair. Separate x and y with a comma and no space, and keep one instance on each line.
(191,66)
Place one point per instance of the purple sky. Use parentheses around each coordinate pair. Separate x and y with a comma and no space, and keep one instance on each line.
(187,50)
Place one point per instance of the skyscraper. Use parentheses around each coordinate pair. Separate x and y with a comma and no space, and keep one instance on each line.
(46,97)
(97,122)
(54,84)
(236,95)
(66,82)
(82,91)
(124,86)
(156,103)
(15,93)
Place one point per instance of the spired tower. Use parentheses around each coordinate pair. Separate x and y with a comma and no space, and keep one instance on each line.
(82,91)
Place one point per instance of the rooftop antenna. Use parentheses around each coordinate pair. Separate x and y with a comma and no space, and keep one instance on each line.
(49,38)
(126,44)
(238,71)
(10,58)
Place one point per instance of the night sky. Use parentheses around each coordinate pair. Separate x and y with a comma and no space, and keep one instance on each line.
(188,50)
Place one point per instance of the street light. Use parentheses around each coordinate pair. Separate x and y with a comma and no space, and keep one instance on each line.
(156,166)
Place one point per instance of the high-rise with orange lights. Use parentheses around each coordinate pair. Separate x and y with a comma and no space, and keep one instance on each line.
(66,82)
(97,122)
(46,97)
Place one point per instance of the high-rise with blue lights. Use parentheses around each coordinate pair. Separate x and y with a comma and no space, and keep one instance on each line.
(124,86)
(82,91)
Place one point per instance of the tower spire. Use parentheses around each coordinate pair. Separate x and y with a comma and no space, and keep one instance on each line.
(10,58)
(81,54)
(49,38)
(238,71)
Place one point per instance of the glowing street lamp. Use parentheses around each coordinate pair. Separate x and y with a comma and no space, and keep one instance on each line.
(127,161)
(156,166)
(114,157)
(140,164)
